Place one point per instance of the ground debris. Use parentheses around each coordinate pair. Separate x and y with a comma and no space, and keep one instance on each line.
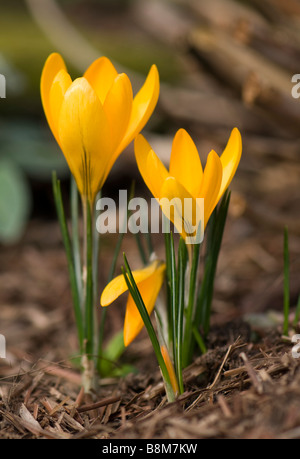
(249,392)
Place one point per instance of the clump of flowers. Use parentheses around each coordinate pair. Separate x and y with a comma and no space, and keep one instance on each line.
(93,119)
(187,307)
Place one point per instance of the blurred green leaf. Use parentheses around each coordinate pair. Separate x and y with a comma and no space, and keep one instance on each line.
(124,370)
(15,201)
(111,354)
(31,147)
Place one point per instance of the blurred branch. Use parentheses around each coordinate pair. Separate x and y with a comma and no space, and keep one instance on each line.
(163,21)
(210,110)
(225,14)
(66,38)
(261,82)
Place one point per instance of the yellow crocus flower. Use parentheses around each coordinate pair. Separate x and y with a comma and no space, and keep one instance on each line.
(95,117)
(186,178)
(149,281)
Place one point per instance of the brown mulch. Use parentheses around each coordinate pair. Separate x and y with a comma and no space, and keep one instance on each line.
(236,391)
(239,389)
(246,386)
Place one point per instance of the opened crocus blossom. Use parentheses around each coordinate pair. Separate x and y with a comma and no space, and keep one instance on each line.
(149,281)
(95,117)
(186,180)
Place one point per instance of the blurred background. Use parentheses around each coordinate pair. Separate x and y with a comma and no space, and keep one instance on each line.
(222,63)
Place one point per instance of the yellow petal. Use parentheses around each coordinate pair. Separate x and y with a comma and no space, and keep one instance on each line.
(52,66)
(101,75)
(151,168)
(118,285)
(60,84)
(141,150)
(118,107)
(182,209)
(149,289)
(211,182)
(142,107)
(85,137)
(185,164)
(230,159)
(158,171)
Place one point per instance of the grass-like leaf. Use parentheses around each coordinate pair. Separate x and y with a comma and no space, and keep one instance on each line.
(69,253)
(190,310)
(135,293)
(215,232)
(180,294)
(75,236)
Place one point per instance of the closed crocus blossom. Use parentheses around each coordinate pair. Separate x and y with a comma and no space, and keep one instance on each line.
(95,117)
(149,281)
(186,177)
(170,368)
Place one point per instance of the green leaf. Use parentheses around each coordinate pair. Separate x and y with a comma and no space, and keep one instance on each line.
(123,370)
(115,347)
(216,228)
(182,265)
(137,298)
(69,254)
(190,310)
(108,357)
(15,202)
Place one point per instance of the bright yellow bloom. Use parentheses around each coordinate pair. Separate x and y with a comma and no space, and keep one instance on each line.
(95,117)
(149,281)
(186,178)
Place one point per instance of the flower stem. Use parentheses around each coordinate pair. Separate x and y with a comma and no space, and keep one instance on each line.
(75,236)
(190,311)
(88,376)
(182,262)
